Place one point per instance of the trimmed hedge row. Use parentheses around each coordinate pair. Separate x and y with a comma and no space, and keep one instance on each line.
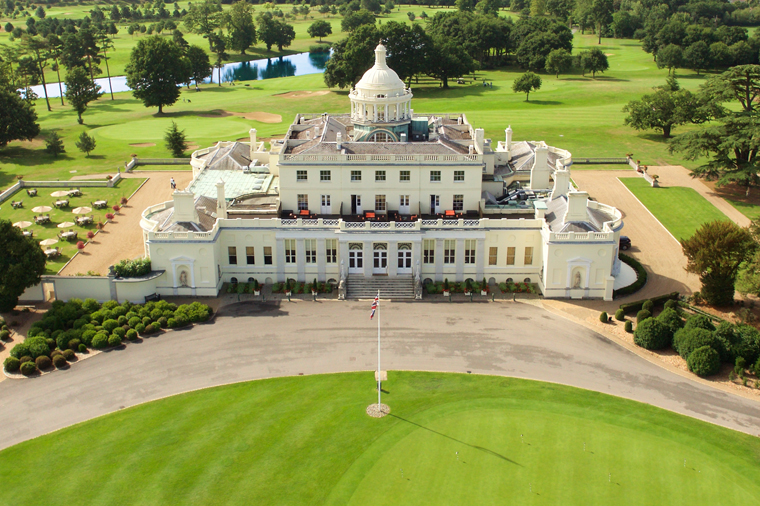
(77,325)
(641,277)
(633,307)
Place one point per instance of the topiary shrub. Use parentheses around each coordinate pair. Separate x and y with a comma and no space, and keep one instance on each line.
(43,362)
(74,345)
(60,361)
(146,320)
(140,328)
(670,318)
(12,364)
(620,315)
(37,346)
(643,315)
(114,340)
(100,341)
(5,335)
(603,317)
(728,342)
(25,358)
(50,343)
(110,305)
(150,329)
(118,331)
(109,325)
(749,346)
(651,334)
(134,321)
(171,323)
(69,355)
(28,368)
(131,335)
(671,304)
(704,361)
(648,305)
(87,336)
(629,326)
(20,350)
(82,348)
(156,314)
(122,320)
(699,321)
(131,314)
(687,340)
(163,322)
(55,352)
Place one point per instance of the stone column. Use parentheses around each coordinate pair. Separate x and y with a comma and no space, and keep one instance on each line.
(480,259)
(369,259)
(439,259)
(459,260)
(393,258)
(321,261)
(301,260)
(281,276)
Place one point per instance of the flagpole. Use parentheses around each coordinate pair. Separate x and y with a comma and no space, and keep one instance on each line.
(379,385)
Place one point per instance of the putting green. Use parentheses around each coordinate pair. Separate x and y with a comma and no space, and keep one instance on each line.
(450,439)
(154,129)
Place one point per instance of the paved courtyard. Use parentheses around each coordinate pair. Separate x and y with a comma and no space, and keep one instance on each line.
(260,340)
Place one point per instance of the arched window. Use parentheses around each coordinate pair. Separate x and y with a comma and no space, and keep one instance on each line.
(233,280)
(380,137)
(380,246)
(526,280)
(355,246)
(404,245)
(251,280)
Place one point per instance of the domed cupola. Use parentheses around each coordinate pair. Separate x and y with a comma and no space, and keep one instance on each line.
(380,103)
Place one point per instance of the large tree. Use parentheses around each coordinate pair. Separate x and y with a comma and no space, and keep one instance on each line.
(320,28)
(407,46)
(351,57)
(21,264)
(447,60)
(155,70)
(274,32)
(17,117)
(200,65)
(354,20)
(593,60)
(666,108)
(203,17)
(601,13)
(240,28)
(558,61)
(80,91)
(38,48)
(731,141)
(715,253)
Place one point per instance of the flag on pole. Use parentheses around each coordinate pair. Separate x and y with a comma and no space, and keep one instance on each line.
(374,306)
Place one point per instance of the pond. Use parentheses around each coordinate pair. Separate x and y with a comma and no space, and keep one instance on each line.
(266,68)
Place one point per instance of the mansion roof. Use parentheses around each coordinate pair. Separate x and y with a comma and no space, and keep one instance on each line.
(555,218)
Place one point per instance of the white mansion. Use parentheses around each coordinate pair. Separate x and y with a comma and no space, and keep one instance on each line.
(383,193)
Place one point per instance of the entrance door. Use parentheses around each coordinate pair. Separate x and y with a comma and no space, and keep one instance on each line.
(356,204)
(355,259)
(326,207)
(380,265)
(435,204)
(404,259)
(403,205)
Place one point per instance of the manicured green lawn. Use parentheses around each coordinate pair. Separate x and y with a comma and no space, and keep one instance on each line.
(681,210)
(123,188)
(751,211)
(450,439)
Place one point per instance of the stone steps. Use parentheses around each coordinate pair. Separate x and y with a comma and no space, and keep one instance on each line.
(359,287)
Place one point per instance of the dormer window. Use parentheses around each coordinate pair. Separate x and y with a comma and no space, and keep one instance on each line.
(380,96)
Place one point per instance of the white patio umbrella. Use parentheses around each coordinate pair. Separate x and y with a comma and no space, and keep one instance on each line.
(65,224)
(81,210)
(48,242)
(60,193)
(42,209)
(22,224)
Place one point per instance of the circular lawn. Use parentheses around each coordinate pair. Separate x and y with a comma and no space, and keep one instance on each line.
(450,439)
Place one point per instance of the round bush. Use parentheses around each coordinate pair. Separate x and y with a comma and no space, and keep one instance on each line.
(69,355)
(688,340)
(55,352)
(132,335)
(652,335)
(146,320)
(140,328)
(603,317)
(122,320)
(37,346)
(60,361)
(699,321)
(156,314)
(43,362)
(109,325)
(143,312)
(73,345)
(110,304)
(642,315)
(130,315)
(20,350)
(114,340)
(25,358)
(629,326)
(12,364)
(163,322)
(620,315)
(118,331)
(670,318)
(134,321)
(648,306)
(5,335)
(87,336)
(50,343)
(704,361)
(171,323)
(28,368)
(100,341)
(671,304)
(82,348)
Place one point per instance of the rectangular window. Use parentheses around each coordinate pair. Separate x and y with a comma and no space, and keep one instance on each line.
(267,255)
(379,175)
(435,175)
(303,202)
(356,175)
(311,251)
(379,202)
(449,251)
(511,255)
(324,175)
(290,251)
(250,258)
(429,251)
(469,251)
(302,175)
(458,202)
(458,176)
(529,255)
(406,175)
(232,254)
(403,201)
(331,251)
(493,255)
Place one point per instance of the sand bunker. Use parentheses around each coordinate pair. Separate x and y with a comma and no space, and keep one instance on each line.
(143,144)
(262,117)
(302,93)
(609,54)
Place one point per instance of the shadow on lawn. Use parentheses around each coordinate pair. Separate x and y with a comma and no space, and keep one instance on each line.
(485,450)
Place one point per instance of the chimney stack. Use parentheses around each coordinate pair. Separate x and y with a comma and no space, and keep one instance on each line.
(184,206)
(221,202)
(539,174)
(338,141)
(508,133)
(561,183)
(479,140)
(576,206)
(252,133)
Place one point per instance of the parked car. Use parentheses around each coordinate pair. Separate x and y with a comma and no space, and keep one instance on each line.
(625,242)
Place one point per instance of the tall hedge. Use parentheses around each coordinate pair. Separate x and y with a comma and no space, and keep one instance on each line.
(652,334)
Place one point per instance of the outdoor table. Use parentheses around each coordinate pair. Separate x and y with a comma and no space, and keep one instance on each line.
(75,193)
(61,203)
(84,220)
(31,193)
(100,203)
(28,233)
(69,235)
(50,253)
